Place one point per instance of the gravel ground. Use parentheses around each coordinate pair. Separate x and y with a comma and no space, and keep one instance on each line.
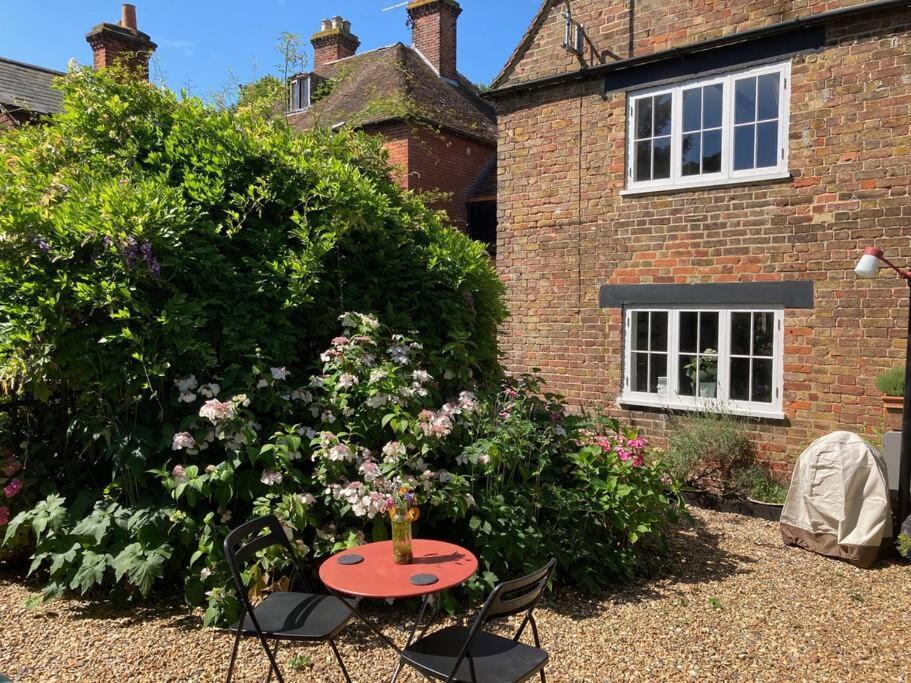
(734,605)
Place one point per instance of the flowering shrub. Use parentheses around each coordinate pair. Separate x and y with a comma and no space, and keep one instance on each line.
(510,475)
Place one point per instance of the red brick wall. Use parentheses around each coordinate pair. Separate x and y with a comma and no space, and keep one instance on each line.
(434,33)
(564,230)
(332,47)
(657,25)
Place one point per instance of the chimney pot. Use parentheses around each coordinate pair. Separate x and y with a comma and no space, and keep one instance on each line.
(334,41)
(128,16)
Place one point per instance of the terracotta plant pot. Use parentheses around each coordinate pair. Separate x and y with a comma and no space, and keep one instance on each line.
(893,408)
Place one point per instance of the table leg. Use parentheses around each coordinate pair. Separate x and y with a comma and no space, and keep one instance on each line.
(417,622)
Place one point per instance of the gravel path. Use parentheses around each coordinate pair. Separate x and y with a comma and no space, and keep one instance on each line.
(736,605)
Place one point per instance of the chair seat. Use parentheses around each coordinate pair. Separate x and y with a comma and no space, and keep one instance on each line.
(297,616)
(493,658)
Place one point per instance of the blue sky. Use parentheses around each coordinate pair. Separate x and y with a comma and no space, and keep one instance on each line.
(201,43)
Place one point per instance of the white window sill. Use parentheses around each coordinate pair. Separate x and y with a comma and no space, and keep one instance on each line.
(764,413)
(706,184)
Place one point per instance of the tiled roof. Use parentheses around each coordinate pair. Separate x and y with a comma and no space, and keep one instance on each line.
(394,83)
(25,86)
(485,185)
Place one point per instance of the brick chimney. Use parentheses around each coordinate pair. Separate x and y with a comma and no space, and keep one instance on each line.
(433,32)
(333,41)
(123,41)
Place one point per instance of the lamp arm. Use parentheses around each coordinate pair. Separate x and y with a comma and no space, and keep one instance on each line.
(901,271)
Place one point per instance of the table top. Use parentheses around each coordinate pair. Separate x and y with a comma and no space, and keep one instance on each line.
(379,577)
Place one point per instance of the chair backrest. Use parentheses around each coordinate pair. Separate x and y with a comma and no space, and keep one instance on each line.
(517,595)
(247,539)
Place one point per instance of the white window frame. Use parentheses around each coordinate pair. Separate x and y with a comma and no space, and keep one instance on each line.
(297,82)
(727,175)
(671,400)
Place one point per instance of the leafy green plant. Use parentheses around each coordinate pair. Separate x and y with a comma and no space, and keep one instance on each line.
(757,483)
(903,543)
(892,382)
(704,450)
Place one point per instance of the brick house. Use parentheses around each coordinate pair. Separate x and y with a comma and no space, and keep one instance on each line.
(440,134)
(26,91)
(684,189)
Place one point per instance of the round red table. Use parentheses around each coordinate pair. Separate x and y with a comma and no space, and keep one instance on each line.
(377,576)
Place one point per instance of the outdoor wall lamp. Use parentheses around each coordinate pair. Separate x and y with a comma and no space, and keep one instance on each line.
(867,267)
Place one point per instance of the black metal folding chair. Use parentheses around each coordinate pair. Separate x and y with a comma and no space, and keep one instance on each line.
(283,615)
(471,654)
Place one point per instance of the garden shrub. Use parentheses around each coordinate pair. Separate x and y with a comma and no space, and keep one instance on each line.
(145,237)
(757,482)
(511,475)
(892,382)
(706,450)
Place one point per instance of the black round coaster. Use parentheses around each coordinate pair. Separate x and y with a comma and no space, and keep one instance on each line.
(352,558)
(424,579)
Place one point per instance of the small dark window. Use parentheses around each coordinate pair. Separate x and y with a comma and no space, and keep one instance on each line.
(482,224)
(299,93)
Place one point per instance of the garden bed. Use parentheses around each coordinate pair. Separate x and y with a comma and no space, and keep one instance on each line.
(742,506)
(733,604)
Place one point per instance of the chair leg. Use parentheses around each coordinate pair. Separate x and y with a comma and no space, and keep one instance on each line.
(272,662)
(275,651)
(233,656)
(340,662)
(534,631)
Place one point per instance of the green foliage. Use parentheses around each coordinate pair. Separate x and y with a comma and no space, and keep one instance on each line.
(756,482)
(892,382)
(705,450)
(903,543)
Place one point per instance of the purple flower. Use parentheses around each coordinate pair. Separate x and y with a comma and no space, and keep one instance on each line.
(129,251)
(106,242)
(12,488)
(42,244)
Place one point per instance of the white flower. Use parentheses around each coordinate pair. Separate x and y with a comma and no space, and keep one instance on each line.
(301,395)
(376,375)
(317,382)
(225,515)
(271,478)
(279,373)
(448,374)
(444,476)
(399,354)
(468,401)
(209,390)
(186,384)
(216,411)
(370,470)
(347,380)
(182,440)
(307,498)
(469,499)
(180,476)
(187,397)
(205,573)
(394,450)
(327,416)
(210,468)
(262,383)
(340,452)
(421,376)
(483,459)
(308,432)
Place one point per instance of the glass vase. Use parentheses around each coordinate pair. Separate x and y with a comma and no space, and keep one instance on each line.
(401,539)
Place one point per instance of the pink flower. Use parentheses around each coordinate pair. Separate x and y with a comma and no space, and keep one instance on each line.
(340,341)
(425,416)
(182,440)
(637,444)
(11,466)
(179,474)
(511,393)
(271,478)
(623,454)
(638,460)
(4,515)
(12,488)
(216,411)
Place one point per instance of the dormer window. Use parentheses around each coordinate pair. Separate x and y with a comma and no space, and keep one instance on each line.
(299,93)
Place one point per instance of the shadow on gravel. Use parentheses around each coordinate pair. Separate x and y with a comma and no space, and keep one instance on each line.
(695,556)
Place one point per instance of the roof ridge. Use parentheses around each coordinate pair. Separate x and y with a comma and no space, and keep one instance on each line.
(32,66)
(533,29)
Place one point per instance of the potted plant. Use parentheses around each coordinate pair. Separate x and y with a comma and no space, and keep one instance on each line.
(763,493)
(703,372)
(892,384)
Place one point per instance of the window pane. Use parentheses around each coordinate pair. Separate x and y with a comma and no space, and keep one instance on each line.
(687,374)
(640,331)
(658,374)
(762,380)
(763,326)
(740,334)
(708,332)
(663,114)
(740,379)
(662,167)
(692,109)
(743,147)
(690,154)
(745,100)
(659,331)
(708,376)
(768,96)
(644,160)
(767,144)
(711,151)
(640,372)
(644,117)
(711,105)
(688,322)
